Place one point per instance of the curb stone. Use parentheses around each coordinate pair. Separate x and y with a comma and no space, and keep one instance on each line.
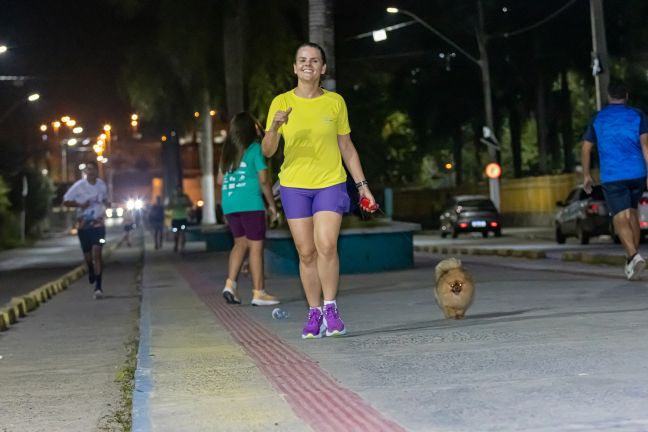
(19,307)
(594,259)
(503,252)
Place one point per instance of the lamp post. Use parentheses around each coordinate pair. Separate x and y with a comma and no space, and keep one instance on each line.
(482,63)
(107,130)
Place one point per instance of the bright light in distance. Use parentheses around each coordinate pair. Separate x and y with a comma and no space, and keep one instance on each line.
(100,142)
(97,148)
(448,166)
(109,212)
(134,117)
(82,166)
(33,97)
(65,119)
(212,113)
(72,142)
(44,171)
(139,204)
(379,35)
(106,128)
(71,123)
(134,123)
(120,212)
(102,136)
(43,128)
(56,124)
(100,158)
(77,130)
(86,141)
(130,204)
(392,10)
(200,203)
(164,138)
(196,114)
(104,160)
(3,49)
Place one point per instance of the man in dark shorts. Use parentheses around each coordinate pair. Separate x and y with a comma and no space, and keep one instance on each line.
(620,133)
(90,196)
(156,220)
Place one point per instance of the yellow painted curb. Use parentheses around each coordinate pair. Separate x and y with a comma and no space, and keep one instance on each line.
(32,302)
(516,253)
(38,295)
(9,315)
(21,304)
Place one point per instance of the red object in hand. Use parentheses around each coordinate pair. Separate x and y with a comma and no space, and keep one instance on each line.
(364,205)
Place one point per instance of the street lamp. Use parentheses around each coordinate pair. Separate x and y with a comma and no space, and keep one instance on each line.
(3,49)
(482,63)
(31,98)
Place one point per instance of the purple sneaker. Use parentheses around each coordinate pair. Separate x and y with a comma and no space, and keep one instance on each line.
(334,324)
(314,326)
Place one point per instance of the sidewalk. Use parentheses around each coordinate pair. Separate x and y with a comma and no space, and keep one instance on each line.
(563,342)
(58,365)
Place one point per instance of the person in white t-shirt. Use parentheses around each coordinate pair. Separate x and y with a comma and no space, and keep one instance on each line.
(90,196)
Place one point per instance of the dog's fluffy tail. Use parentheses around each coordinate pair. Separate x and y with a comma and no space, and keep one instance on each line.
(445,266)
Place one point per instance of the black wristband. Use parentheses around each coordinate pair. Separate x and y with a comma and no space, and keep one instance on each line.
(362,183)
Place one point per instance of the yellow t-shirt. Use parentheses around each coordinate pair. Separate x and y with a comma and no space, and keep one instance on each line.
(312,158)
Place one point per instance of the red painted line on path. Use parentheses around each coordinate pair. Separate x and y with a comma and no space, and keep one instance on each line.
(312,393)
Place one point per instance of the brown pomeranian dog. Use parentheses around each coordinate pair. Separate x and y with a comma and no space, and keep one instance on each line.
(455,288)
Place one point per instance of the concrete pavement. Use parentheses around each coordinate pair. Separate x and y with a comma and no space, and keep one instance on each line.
(547,346)
(59,364)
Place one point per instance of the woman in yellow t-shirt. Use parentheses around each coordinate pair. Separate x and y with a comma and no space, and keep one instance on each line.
(315,127)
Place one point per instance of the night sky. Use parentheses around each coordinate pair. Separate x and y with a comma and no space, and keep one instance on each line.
(74,50)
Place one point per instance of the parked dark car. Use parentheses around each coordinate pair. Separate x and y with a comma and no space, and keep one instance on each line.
(470,213)
(583,216)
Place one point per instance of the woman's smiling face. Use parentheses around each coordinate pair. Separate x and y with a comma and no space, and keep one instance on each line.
(309,65)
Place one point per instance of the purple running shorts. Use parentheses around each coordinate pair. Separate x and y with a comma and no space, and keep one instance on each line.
(304,203)
(251,224)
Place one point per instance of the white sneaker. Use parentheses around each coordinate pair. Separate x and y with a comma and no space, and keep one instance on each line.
(231,296)
(634,267)
(98,294)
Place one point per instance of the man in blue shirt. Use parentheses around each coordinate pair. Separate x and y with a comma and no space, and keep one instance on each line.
(620,133)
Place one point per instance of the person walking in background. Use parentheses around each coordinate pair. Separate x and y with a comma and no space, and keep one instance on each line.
(90,197)
(156,221)
(245,181)
(180,204)
(620,133)
(316,132)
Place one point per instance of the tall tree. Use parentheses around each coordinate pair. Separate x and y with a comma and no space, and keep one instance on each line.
(322,32)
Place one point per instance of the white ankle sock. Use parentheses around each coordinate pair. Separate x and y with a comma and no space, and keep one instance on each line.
(328,302)
(317,307)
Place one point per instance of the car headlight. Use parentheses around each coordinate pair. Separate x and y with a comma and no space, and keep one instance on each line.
(109,213)
(120,212)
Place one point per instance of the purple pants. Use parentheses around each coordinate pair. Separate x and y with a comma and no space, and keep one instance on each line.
(304,203)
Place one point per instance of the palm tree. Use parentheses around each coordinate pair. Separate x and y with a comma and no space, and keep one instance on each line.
(321,29)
